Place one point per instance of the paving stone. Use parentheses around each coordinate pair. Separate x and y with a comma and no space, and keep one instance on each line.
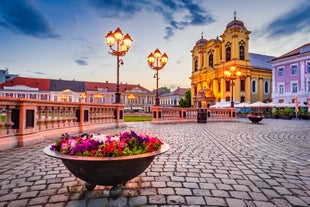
(138,200)
(215,201)
(235,202)
(195,200)
(38,200)
(157,199)
(18,203)
(175,200)
(295,201)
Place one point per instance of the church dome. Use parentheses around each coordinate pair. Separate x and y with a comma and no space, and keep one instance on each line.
(235,24)
(201,42)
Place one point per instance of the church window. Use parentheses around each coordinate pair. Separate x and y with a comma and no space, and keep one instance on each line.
(211,60)
(228,51)
(227,86)
(254,86)
(196,63)
(266,87)
(241,50)
(242,85)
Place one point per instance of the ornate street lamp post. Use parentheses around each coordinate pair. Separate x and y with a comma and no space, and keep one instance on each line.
(131,97)
(231,75)
(157,61)
(121,48)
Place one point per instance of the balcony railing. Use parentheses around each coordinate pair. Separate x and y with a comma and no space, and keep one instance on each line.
(24,121)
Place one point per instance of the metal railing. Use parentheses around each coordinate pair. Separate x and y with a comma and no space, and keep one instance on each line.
(24,121)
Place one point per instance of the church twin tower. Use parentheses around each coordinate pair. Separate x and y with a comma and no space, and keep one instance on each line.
(211,58)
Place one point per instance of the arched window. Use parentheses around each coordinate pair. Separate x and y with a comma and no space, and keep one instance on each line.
(228,51)
(211,60)
(266,87)
(196,63)
(241,50)
(254,86)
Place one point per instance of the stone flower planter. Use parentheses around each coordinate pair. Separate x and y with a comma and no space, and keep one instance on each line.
(254,118)
(107,171)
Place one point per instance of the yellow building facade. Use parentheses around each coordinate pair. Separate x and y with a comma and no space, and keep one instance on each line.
(210,59)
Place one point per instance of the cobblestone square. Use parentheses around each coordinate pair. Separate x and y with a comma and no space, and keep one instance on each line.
(231,164)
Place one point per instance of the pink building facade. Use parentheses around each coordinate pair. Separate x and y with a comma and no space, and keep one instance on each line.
(291,76)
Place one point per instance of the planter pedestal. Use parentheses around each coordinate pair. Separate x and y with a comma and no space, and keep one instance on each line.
(107,171)
(255,118)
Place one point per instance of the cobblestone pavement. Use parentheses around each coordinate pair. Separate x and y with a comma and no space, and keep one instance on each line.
(215,164)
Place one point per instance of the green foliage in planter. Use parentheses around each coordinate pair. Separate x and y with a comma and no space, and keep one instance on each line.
(287,112)
(302,112)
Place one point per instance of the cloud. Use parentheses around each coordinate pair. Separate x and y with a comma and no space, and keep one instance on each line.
(178,14)
(36,72)
(81,62)
(22,17)
(291,22)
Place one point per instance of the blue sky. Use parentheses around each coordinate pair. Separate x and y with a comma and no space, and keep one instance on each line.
(66,38)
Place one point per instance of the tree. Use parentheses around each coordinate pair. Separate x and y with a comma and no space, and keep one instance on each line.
(186,101)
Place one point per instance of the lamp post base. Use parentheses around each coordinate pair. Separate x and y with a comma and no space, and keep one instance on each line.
(157,102)
(117,98)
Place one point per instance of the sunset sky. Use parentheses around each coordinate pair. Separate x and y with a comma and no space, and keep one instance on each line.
(65,39)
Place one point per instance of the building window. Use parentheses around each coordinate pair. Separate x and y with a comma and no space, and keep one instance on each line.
(219,87)
(281,89)
(44,97)
(91,99)
(227,86)
(308,86)
(294,69)
(104,100)
(241,50)
(242,99)
(70,98)
(281,72)
(254,86)
(308,66)
(21,95)
(266,87)
(211,60)
(196,63)
(227,98)
(55,98)
(112,99)
(242,85)
(294,87)
(228,51)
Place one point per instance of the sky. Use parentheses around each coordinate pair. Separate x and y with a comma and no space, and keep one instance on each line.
(65,39)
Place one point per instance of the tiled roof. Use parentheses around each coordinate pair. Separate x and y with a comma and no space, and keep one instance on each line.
(260,61)
(60,85)
(111,87)
(42,84)
(303,49)
(77,86)
(177,92)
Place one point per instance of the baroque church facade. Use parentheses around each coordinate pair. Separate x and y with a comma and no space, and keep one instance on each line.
(210,59)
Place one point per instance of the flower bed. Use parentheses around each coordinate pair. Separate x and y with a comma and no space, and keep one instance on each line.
(101,145)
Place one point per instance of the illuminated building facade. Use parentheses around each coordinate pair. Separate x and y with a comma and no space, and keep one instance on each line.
(211,58)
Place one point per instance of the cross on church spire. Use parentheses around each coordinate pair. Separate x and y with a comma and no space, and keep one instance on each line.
(201,35)
(235,14)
